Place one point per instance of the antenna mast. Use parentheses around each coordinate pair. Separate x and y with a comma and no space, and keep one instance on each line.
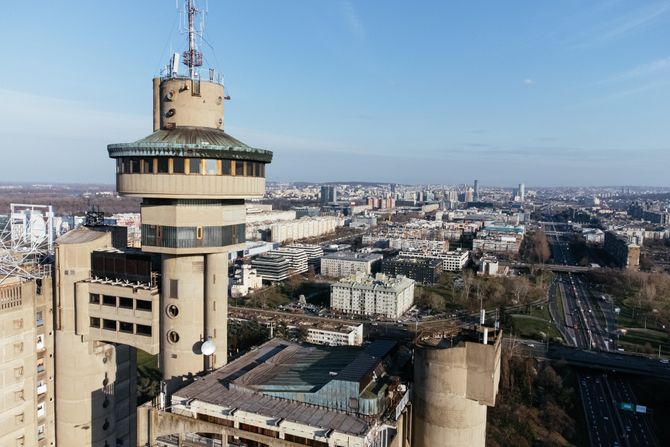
(192,57)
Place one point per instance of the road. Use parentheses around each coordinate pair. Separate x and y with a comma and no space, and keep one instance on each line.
(590,325)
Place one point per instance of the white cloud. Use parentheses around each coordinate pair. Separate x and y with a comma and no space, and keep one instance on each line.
(649,69)
(353,20)
(637,19)
(528,81)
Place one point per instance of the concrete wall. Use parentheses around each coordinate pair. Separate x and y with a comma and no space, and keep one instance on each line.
(452,388)
(91,377)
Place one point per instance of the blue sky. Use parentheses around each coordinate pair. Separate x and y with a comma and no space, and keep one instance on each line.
(550,93)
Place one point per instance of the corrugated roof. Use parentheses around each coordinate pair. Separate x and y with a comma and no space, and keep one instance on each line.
(79,236)
(271,364)
(190,142)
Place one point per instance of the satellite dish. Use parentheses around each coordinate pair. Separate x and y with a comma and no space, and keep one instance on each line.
(208,348)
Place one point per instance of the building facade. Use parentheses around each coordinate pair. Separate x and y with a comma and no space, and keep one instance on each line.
(341,264)
(373,296)
(421,270)
(27,407)
(344,335)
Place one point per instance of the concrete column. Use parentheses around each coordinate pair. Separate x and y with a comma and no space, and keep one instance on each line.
(182,325)
(216,307)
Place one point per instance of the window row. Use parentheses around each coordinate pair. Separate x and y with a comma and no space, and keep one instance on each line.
(121,326)
(120,301)
(192,237)
(189,166)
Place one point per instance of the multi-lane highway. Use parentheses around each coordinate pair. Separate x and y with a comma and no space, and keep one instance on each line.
(608,400)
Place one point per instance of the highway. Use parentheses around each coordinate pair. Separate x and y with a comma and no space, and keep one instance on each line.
(602,393)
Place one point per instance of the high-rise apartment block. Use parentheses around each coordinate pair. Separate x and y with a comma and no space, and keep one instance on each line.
(27,416)
(328,194)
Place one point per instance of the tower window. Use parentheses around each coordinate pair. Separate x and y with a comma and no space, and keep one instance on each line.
(198,233)
(225,167)
(211,167)
(239,168)
(163,165)
(193,165)
(172,336)
(174,288)
(178,166)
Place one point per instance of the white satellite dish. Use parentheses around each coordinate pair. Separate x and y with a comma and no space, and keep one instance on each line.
(208,348)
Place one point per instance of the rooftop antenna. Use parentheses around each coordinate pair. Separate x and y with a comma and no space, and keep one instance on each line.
(192,57)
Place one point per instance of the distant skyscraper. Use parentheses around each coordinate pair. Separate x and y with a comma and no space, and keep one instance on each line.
(468,195)
(522,192)
(328,194)
(476,195)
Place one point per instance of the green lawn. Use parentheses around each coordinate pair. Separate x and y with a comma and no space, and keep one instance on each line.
(645,340)
(559,304)
(527,326)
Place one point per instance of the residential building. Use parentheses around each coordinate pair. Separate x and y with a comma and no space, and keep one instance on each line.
(328,194)
(624,253)
(367,295)
(272,267)
(246,279)
(335,335)
(341,264)
(297,258)
(27,407)
(421,270)
(452,261)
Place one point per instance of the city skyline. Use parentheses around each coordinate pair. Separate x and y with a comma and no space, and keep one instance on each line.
(545,94)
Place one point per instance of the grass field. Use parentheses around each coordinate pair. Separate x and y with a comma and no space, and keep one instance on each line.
(528,326)
(646,341)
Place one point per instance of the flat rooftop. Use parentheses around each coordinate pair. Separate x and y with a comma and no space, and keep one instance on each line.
(252,382)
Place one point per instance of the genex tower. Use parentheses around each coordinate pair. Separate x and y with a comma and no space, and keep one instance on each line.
(193,178)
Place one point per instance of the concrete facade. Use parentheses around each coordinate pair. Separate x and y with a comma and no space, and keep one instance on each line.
(454,382)
(27,416)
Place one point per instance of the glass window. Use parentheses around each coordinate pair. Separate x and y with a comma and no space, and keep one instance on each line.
(119,166)
(239,168)
(95,322)
(143,330)
(178,165)
(126,303)
(211,167)
(248,170)
(126,327)
(108,300)
(162,165)
(225,167)
(133,166)
(94,298)
(193,165)
(147,166)
(143,305)
(262,166)
(109,324)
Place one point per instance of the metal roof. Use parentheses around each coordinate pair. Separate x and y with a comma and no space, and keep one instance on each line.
(280,364)
(190,142)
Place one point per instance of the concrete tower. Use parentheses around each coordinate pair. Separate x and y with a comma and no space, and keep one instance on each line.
(193,178)
(455,379)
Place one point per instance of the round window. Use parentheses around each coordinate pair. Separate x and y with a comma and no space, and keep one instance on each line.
(173,336)
(172,310)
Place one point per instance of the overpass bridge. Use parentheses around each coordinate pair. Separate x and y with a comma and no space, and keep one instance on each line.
(552,267)
(610,362)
